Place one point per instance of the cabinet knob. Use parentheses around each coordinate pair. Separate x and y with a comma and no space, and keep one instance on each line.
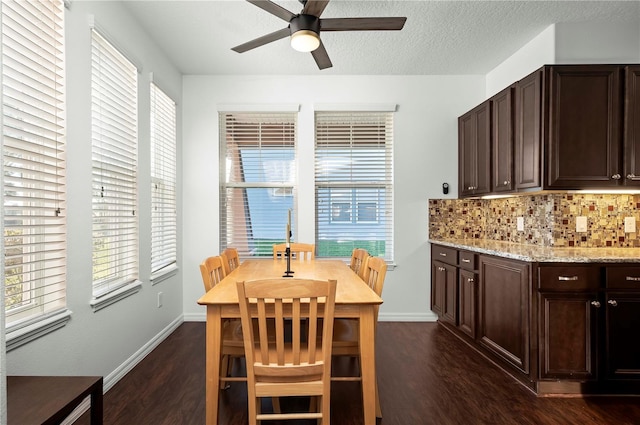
(441,269)
(616,177)
(567,277)
(596,304)
(612,303)
(506,182)
(470,188)
(631,176)
(470,280)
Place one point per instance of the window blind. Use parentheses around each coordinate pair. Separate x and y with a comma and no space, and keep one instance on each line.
(258,180)
(354,183)
(163,180)
(114,127)
(33,127)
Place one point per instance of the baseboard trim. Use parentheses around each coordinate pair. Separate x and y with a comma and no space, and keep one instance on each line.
(126,367)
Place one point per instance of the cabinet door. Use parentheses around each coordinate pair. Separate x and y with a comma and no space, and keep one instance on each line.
(467,295)
(443,279)
(632,126)
(503,309)
(568,335)
(584,126)
(502,141)
(474,131)
(527,140)
(622,335)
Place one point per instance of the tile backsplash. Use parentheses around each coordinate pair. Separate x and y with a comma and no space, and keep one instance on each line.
(549,219)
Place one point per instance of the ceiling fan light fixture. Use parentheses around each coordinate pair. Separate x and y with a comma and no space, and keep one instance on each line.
(305,40)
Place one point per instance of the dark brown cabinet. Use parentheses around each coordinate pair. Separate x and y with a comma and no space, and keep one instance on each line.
(584,126)
(502,141)
(632,126)
(474,151)
(444,284)
(569,309)
(467,292)
(622,303)
(563,127)
(503,309)
(528,122)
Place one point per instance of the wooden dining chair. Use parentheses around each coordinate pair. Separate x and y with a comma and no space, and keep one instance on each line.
(358,262)
(346,331)
(212,270)
(230,259)
(299,365)
(299,251)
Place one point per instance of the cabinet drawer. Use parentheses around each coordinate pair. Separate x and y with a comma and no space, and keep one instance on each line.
(568,278)
(468,260)
(444,254)
(623,277)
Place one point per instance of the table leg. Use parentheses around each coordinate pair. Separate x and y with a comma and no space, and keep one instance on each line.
(97,403)
(368,364)
(214,349)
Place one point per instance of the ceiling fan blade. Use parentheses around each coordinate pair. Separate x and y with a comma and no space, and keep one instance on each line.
(274,9)
(261,41)
(361,24)
(321,57)
(314,7)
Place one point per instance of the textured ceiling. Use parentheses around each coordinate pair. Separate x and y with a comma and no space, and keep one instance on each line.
(439,37)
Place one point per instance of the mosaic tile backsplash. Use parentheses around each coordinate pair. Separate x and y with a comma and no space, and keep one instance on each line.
(549,219)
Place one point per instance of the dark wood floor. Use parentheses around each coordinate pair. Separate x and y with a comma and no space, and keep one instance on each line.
(426,376)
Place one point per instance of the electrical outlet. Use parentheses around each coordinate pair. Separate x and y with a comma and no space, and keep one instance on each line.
(629,224)
(581,224)
(520,224)
(159,299)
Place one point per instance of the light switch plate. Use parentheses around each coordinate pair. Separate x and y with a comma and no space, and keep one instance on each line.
(520,224)
(629,224)
(581,224)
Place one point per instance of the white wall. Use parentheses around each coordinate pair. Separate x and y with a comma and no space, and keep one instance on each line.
(426,150)
(102,342)
(569,43)
(597,42)
(537,52)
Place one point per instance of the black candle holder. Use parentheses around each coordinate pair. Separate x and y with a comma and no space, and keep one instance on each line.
(288,272)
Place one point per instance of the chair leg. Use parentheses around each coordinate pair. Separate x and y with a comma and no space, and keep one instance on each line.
(276,404)
(224,369)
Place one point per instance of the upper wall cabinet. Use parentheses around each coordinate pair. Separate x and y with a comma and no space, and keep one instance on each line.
(632,126)
(474,152)
(584,135)
(502,141)
(563,127)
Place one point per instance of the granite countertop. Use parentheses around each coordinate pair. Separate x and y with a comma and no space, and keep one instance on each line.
(543,254)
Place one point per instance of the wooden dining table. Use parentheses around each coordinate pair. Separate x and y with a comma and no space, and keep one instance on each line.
(354,300)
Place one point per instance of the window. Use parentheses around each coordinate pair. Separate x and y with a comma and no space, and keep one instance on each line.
(258,169)
(354,183)
(33,149)
(163,182)
(114,111)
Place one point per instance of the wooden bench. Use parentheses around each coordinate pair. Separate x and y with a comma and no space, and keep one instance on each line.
(48,400)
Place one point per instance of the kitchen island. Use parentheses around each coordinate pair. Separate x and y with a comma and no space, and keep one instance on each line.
(559,320)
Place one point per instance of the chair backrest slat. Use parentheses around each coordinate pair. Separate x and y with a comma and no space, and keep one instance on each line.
(299,251)
(358,263)
(231,260)
(212,270)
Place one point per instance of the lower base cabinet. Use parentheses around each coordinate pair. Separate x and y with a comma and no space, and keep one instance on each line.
(503,309)
(557,327)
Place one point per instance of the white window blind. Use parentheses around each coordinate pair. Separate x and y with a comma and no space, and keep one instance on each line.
(354,183)
(114,129)
(258,180)
(163,180)
(33,129)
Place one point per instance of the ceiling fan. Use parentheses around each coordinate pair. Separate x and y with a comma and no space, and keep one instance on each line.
(305,28)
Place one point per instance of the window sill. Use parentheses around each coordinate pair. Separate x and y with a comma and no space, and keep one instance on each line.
(123,292)
(27,333)
(164,273)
